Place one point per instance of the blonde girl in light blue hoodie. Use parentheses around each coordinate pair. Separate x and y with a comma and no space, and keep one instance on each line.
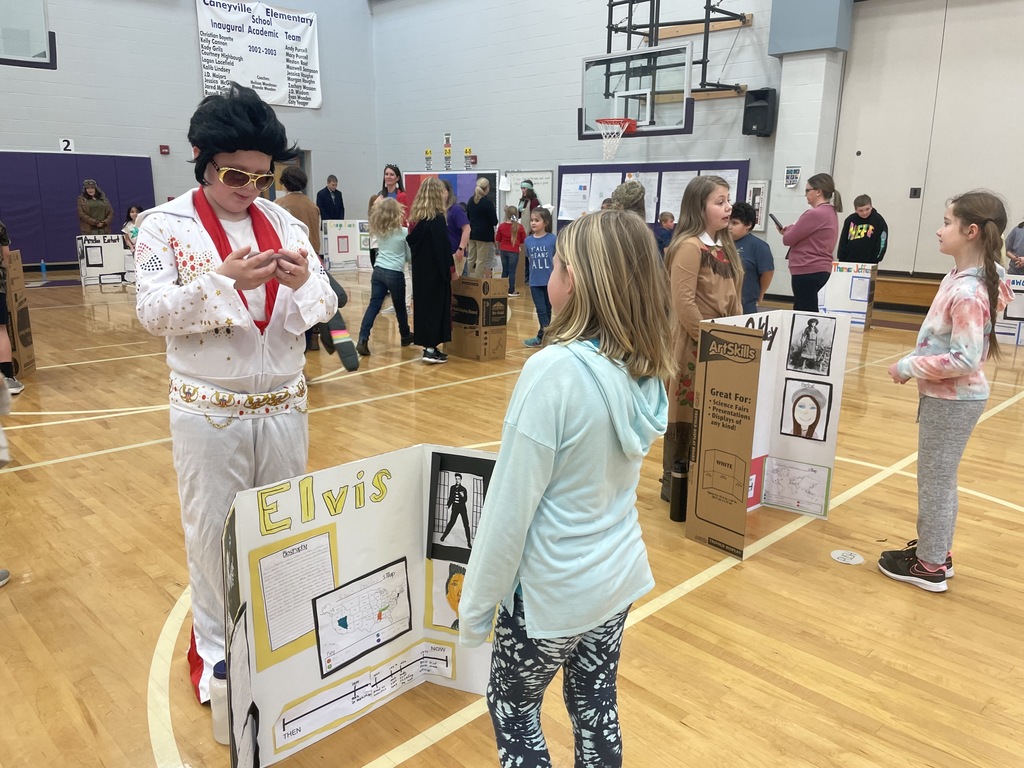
(559,542)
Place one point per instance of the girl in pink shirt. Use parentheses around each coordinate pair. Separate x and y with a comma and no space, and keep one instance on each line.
(955,339)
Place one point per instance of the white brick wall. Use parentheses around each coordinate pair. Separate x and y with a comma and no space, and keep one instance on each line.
(128,80)
(504,79)
(808,111)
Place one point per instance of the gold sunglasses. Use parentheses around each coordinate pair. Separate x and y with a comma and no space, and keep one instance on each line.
(236,179)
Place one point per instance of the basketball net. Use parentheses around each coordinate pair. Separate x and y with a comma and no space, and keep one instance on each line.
(612,129)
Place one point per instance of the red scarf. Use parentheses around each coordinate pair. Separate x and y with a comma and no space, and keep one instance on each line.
(266,240)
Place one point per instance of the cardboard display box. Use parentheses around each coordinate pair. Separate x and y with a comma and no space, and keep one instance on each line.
(479,318)
(729,363)
(768,394)
(477,343)
(20,326)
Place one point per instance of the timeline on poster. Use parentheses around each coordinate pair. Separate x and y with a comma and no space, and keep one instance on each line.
(269,49)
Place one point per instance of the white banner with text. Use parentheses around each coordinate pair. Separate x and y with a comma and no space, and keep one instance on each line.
(269,49)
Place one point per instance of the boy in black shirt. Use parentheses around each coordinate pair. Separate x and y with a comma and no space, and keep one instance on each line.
(864,234)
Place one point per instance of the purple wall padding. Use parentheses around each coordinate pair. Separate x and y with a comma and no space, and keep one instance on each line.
(20,209)
(39,197)
(59,187)
(134,185)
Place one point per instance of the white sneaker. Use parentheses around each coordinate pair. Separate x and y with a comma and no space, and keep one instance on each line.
(388,310)
(15,387)
(5,576)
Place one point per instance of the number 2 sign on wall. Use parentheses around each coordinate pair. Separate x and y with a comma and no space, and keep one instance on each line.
(67,145)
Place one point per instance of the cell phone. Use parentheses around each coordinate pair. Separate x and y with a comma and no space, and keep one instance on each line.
(777,222)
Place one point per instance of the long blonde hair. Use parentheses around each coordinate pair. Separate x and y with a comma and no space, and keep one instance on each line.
(429,201)
(691,223)
(483,187)
(985,211)
(620,292)
(385,217)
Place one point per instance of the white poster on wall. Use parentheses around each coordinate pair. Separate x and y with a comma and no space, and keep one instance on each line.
(673,184)
(269,49)
(731,176)
(543,186)
(601,187)
(575,196)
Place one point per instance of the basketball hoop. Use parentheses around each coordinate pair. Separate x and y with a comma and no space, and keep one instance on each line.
(612,129)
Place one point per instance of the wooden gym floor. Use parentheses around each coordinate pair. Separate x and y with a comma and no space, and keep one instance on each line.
(787,659)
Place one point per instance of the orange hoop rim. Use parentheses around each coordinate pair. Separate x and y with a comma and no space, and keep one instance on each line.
(628,124)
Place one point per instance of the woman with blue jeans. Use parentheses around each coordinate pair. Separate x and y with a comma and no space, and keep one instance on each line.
(388,271)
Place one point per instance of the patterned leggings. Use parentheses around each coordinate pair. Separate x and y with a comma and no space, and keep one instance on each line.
(521,670)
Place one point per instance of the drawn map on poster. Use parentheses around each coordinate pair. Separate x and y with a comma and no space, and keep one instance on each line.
(362,615)
(796,486)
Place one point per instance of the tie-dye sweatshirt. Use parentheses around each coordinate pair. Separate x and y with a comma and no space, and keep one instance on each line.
(952,345)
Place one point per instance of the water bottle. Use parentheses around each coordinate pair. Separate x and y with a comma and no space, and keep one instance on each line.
(42,269)
(677,504)
(219,702)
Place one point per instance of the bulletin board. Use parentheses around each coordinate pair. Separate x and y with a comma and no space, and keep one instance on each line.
(581,188)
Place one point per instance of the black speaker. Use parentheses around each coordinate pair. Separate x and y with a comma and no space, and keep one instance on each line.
(760,108)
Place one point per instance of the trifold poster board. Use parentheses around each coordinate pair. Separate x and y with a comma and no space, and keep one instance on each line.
(101,260)
(342,591)
(766,415)
(1010,329)
(347,244)
(850,291)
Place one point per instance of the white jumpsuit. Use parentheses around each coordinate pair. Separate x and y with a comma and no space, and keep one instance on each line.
(238,397)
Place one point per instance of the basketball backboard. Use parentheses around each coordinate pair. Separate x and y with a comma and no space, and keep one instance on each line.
(650,85)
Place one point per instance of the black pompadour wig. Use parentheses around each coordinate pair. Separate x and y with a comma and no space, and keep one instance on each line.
(233,121)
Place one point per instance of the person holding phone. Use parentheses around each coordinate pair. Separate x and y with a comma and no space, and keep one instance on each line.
(232,282)
(812,241)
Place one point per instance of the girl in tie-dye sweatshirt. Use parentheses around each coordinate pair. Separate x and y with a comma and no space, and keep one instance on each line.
(955,340)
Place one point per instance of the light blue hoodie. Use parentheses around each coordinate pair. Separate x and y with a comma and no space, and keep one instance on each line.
(560,520)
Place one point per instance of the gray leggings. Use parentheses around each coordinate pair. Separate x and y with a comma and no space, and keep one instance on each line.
(943,431)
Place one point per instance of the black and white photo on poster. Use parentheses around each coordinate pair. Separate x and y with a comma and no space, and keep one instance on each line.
(806,408)
(458,485)
(810,344)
